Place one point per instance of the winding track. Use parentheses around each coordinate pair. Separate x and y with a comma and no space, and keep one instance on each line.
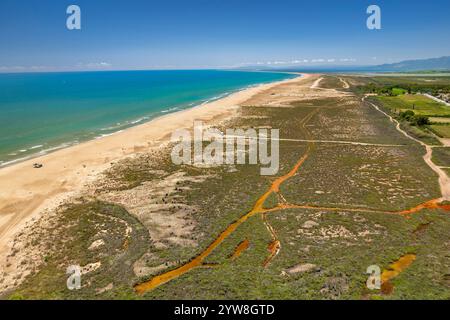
(444,181)
(345,84)
(258,208)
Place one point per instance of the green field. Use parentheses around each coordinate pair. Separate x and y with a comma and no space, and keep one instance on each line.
(398,91)
(442,131)
(419,104)
(439,120)
(411,83)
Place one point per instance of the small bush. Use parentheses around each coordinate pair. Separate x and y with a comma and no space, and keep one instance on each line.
(413,119)
(420,120)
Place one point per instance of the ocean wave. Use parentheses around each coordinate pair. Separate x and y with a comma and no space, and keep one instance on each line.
(37,150)
(6,163)
(215,98)
(15,153)
(107,134)
(139,120)
(60,146)
(110,128)
(42,152)
(170,110)
(119,125)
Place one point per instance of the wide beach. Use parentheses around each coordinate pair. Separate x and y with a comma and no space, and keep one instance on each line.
(27,192)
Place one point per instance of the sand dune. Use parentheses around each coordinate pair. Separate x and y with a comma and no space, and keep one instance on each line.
(26,192)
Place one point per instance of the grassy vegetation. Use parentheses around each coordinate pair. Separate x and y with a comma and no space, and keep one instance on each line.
(384,85)
(340,244)
(420,105)
(442,131)
(441,156)
(415,110)
(69,237)
(337,275)
(363,177)
(422,133)
(340,262)
(439,120)
(331,82)
(398,91)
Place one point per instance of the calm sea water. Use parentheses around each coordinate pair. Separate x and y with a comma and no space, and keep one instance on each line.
(41,112)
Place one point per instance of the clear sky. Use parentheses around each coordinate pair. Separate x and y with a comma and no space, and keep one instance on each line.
(172,34)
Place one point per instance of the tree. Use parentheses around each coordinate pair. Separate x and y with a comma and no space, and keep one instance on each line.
(421,120)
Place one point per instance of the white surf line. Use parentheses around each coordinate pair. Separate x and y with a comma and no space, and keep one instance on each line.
(320,141)
(444,181)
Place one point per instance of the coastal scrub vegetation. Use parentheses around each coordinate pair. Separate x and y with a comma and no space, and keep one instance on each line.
(395,85)
(147,217)
(403,97)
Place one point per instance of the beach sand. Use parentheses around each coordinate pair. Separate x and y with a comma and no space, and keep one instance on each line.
(26,192)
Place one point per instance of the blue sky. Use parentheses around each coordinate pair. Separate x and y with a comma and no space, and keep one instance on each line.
(173,34)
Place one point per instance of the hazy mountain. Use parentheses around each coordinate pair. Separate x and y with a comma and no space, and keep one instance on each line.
(442,63)
(434,64)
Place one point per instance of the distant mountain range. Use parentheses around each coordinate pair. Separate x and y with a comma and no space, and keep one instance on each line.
(434,64)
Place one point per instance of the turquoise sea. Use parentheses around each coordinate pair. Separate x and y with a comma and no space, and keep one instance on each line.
(41,112)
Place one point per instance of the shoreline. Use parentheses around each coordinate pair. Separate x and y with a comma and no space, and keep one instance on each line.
(30,192)
(128,124)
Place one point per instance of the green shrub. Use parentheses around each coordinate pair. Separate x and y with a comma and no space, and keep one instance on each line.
(420,120)
(413,119)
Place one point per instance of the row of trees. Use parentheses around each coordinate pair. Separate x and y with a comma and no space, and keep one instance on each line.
(391,90)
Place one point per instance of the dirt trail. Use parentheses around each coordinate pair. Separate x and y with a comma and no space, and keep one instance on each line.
(275,246)
(316,83)
(353,143)
(198,261)
(345,84)
(30,193)
(432,204)
(444,181)
(258,208)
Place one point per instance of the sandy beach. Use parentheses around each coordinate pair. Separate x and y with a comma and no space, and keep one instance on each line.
(26,192)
